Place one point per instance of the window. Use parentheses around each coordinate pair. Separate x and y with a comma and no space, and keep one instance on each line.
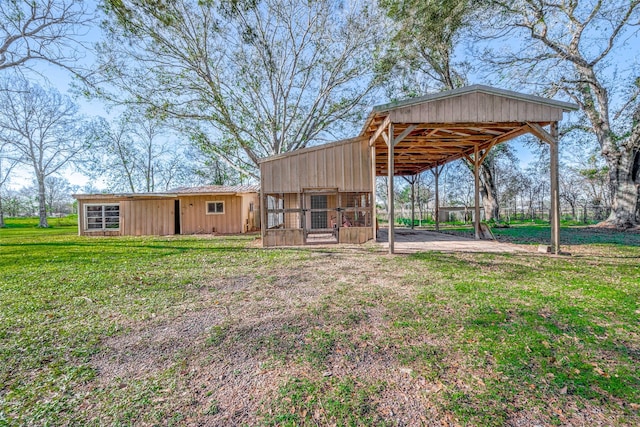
(214,208)
(102,217)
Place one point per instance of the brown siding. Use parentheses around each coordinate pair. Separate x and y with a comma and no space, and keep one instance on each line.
(156,216)
(344,165)
(194,219)
(476,107)
(283,238)
(356,235)
(280,237)
(137,217)
(147,217)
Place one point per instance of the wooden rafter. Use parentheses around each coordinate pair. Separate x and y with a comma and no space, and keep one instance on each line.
(404,134)
(379,131)
(540,133)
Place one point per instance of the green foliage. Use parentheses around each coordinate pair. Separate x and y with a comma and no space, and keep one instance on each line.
(426,38)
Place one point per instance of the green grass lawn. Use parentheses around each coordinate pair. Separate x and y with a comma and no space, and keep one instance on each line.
(527,232)
(207,330)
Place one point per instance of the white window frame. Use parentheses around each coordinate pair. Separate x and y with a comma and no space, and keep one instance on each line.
(206,207)
(103,228)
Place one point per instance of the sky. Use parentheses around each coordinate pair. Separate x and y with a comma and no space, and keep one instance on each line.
(61,80)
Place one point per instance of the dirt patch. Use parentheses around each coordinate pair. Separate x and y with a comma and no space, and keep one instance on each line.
(150,348)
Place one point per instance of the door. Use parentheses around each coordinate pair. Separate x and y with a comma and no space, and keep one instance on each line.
(319,212)
(320,216)
(176,216)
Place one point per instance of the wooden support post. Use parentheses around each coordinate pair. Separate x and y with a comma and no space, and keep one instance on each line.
(303,216)
(374,222)
(476,178)
(413,201)
(555,196)
(437,209)
(390,167)
(263,215)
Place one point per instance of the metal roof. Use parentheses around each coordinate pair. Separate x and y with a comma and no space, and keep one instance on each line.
(217,189)
(176,192)
(565,106)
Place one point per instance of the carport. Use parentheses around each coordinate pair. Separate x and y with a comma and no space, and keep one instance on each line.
(326,193)
(414,135)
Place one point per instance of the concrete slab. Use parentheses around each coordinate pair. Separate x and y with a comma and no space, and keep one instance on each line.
(412,241)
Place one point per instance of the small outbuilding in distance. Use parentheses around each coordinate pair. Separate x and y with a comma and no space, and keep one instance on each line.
(327,193)
(196,210)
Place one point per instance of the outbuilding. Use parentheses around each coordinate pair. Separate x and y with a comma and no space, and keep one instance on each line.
(327,193)
(195,210)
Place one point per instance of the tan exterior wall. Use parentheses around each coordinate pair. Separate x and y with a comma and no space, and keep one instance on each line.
(137,217)
(345,165)
(295,237)
(149,217)
(194,218)
(476,108)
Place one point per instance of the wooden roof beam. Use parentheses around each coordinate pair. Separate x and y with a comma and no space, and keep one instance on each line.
(404,134)
(457,133)
(540,133)
(380,131)
(489,131)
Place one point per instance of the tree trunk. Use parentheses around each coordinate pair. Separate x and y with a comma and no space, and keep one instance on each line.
(42,202)
(624,177)
(2,224)
(489,193)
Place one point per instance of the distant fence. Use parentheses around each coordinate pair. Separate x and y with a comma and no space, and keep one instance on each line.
(588,214)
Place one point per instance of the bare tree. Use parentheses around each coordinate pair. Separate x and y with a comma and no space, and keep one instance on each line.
(460,188)
(138,154)
(257,78)
(114,158)
(568,48)
(58,191)
(41,30)
(6,166)
(43,129)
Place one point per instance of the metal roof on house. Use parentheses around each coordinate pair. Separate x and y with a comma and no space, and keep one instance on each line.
(229,190)
(217,189)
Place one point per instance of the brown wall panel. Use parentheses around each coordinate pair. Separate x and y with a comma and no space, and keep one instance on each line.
(147,217)
(355,235)
(194,219)
(283,238)
(318,168)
